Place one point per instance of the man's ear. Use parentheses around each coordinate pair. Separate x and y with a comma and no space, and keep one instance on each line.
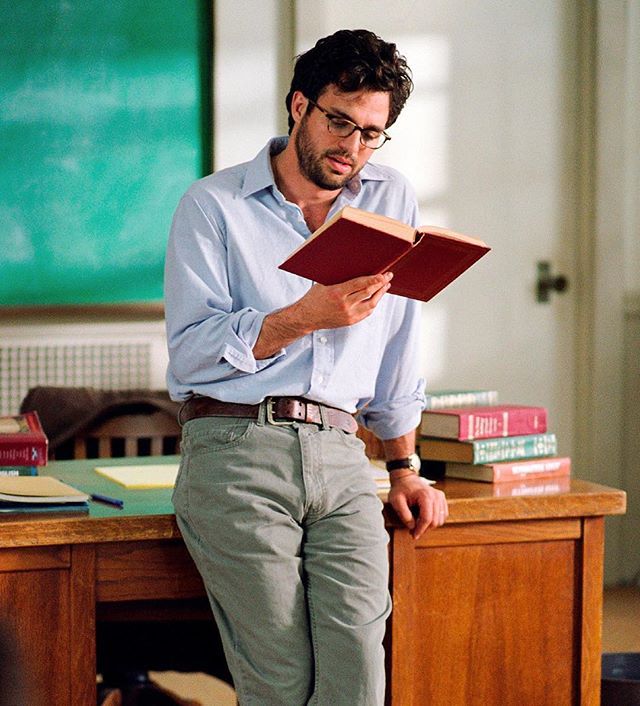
(299,104)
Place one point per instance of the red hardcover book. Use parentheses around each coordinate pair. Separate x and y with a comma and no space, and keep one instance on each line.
(22,441)
(355,243)
(467,423)
(507,471)
(537,486)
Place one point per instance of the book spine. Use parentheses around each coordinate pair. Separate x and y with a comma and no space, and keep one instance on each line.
(471,398)
(549,486)
(514,448)
(23,453)
(18,471)
(501,422)
(535,469)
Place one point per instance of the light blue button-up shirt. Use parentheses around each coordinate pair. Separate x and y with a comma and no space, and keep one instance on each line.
(230,232)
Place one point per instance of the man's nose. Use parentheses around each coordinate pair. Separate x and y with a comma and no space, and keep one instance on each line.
(351,142)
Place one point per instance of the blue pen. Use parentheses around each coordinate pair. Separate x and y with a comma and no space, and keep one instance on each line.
(106,499)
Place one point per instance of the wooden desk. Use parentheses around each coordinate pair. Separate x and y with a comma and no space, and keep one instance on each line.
(501,606)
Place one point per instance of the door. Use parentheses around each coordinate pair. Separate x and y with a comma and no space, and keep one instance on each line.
(488,140)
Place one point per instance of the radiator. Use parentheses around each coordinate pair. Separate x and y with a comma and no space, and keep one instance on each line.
(118,356)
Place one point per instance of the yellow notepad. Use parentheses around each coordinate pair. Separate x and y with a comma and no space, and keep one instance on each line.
(161,475)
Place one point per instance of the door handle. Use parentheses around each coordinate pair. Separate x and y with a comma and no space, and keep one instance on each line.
(548,282)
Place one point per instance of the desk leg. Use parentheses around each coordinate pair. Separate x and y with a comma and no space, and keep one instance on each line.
(83,626)
(401,664)
(591,634)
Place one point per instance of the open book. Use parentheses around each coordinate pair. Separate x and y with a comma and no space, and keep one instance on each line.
(354,243)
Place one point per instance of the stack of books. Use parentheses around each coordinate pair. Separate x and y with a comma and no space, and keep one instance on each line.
(23,445)
(40,494)
(467,434)
(23,452)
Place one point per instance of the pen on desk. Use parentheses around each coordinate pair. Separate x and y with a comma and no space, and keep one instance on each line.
(106,499)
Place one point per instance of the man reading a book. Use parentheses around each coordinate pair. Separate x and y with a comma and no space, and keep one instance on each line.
(275,497)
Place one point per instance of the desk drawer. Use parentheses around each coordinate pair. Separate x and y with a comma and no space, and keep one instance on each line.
(34,558)
(131,571)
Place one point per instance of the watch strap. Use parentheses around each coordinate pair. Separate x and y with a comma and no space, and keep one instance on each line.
(398,463)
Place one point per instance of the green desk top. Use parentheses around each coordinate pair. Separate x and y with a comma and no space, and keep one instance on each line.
(147,513)
(137,502)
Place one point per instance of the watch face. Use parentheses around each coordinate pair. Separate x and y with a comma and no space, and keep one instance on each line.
(414,463)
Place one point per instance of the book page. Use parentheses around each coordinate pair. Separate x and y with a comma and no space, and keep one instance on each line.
(446,233)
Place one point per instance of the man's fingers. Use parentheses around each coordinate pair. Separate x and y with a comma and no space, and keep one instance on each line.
(365,287)
(333,306)
(401,506)
(433,513)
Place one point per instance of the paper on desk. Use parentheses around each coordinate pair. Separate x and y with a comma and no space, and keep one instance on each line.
(161,475)
(164,475)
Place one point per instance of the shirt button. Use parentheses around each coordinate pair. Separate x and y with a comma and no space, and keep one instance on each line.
(320,380)
(323,339)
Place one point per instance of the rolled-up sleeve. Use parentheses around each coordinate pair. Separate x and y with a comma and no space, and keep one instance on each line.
(207,339)
(399,397)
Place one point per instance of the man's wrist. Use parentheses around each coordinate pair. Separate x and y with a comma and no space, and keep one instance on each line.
(409,463)
(395,476)
(279,329)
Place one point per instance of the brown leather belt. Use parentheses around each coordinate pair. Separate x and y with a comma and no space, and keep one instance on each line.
(279,411)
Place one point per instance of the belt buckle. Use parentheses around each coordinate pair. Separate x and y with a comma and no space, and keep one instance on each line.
(270,403)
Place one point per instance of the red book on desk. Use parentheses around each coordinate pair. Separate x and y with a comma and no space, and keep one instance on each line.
(466,423)
(505,471)
(22,440)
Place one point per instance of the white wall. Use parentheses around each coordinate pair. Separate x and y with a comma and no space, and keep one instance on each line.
(616,329)
(252,60)
(631,30)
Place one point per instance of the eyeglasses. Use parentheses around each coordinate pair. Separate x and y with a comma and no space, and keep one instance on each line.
(341,127)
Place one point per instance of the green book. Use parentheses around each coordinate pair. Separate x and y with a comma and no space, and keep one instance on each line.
(441,399)
(504,448)
(18,471)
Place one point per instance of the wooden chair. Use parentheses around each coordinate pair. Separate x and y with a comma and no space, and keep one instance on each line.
(154,434)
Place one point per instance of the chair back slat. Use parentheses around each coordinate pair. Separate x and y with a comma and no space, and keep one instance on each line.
(130,435)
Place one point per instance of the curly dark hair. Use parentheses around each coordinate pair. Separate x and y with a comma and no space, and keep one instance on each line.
(352,60)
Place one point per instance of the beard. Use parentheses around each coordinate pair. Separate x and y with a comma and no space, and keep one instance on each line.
(312,163)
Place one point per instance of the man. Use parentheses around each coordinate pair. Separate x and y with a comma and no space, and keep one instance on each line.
(275,497)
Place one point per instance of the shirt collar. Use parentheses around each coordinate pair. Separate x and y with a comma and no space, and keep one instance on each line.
(259,174)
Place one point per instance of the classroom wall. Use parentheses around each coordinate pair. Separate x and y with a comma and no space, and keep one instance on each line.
(253,49)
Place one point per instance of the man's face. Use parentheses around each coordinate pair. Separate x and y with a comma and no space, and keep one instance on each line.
(329,161)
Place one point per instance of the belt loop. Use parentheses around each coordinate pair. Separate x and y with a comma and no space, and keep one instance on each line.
(182,406)
(262,412)
(323,417)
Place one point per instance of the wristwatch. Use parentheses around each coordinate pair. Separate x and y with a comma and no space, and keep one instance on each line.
(411,462)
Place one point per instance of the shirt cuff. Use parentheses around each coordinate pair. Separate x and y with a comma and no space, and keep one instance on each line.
(243,334)
(395,418)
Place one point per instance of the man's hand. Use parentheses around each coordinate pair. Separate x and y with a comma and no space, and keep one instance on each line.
(322,307)
(408,491)
(342,304)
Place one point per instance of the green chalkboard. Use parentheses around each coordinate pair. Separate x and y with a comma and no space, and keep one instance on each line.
(104,114)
